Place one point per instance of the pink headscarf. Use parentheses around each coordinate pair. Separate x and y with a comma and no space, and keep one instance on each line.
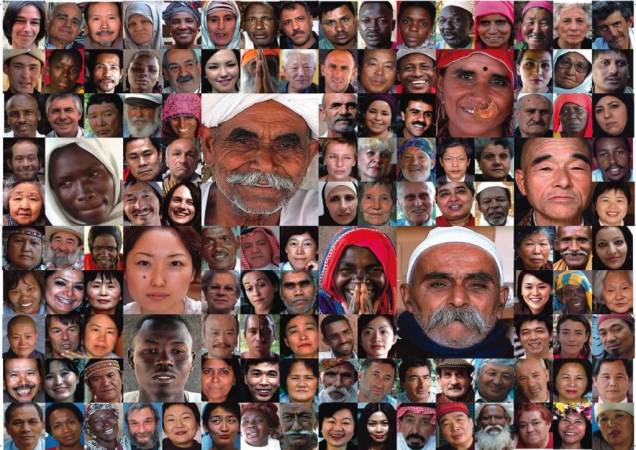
(181,104)
(584,100)
(534,4)
(487,7)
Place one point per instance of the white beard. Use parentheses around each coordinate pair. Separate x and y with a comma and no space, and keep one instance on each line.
(499,441)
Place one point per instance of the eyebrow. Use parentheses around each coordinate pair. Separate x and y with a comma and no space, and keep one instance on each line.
(577,155)
(478,276)
(167,256)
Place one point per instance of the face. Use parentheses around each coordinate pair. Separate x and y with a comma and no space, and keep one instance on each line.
(614,29)
(262,381)
(301,250)
(106,385)
(104,425)
(377,118)
(573,26)
(455,200)
(342,204)
(532,378)
(223,426)
(299,71)
(104,24)
(610,72)
(535,70)
(494,31)
(298,292)
(339,26)
(338,70)
(415,25)
(378,71)
(434,287)
(572,429)
(24,162)
(25,427)
(64,117)
(63,74)
(259,334)
(376,382)
(183,70)
(290,152)
(83,184)
(255,427)
(65,428)
(494,205)
(533,115)
(222,71)
(65,23)
(571,69)
(180,425)
(378,427)
(338,429)
(142,121)
(457,429)
(298,423)
(183,28)
(181,208)
(418,118)
(573,119)
(261,25)
(141,204)
(617,291)
(338,112)
(105,120)
(339,337)
(25,297)
(221,26)
(611,247)
(572,337)
(571,382)
(221,335)
(104,294)
(417,384)
(100,335)
(23,251)
(22,338)
(301,336)
(416,429)
(296,23)
(217,379)
(378,337)
(556,179)
(140,29)
(302,383)
(617,338)
(535,338)
(338,381)
(22,379)
(533,429)
(159,278)
(374,162)
(24,72)
(415,202)
(25,203)
(143,73)
(495,382)
(455,162)
(143,159)
(22,117)
(357,266)
(376,24)
(63,337)
(377,204)
(64,291)
(455,25)
(105,251)
(482,115)
(256,249)
(454,383)
(142,427)
(219,248)
(611,115)
(535,293)
(617,427)
(574,244)
(184,126)
(494,162)
(221,293)
(613,158)
(612,382)
(536,28)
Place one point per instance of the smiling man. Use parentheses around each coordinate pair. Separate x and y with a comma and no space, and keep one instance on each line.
(64,113)
(418,115)
(299,67)
(142,421)
(24,69)
(613,159)
(65,23)
(416,71)
(262,378)
(221,291)
(103,24)
(494,430)
(23,115)
(182,70)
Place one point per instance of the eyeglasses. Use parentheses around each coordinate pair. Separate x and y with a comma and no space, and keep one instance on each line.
(567,64)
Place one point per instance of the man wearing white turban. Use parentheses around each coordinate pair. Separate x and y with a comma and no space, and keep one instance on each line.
(260,149)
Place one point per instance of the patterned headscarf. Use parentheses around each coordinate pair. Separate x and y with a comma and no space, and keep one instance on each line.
(273,245)
(576,278)
(177,7)
(182,104)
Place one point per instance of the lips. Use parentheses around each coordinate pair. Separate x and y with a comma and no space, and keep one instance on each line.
(164,377)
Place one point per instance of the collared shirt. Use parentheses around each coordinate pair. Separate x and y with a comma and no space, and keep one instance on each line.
(80,133)
(601,44)
(11,134)
(71,46)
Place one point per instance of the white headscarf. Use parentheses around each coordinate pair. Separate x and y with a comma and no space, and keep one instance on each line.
(586,86)
(108,151)
(150,11)
(228,5)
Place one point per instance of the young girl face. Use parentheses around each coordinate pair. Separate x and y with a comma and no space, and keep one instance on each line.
(222,71)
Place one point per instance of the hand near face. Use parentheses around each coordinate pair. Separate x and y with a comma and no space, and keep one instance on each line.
(262,79)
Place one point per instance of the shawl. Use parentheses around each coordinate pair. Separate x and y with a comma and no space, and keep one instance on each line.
(586,85)
(584,100)
(487,7)
(149,11)
(273,245)
(213,5)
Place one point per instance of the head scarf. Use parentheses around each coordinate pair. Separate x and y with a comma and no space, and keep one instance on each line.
(487,7)
(92,408)
(183,104)
(420,410)
(506,57)
(108,151)
(421,144)
(269,409)
(602,407)
(212,6)
(585,86)
(575,278)
(149,11)
(382,248)
(584,100)
(273,245)
(534,4)
(177,7)
(330,186)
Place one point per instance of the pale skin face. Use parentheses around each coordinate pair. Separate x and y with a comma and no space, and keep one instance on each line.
(535,338)
(457,429)
(338,429)
(217,379)
(24,72)
(535,292)
(612,382)
(221,26)
(572,336)
(532,379)
(180,425)
(140,29)
(221,335)
(573,26)
(533,115)
(378,337)
(300,70)
(495,381)
(65,24)
(302,383)
(533,429)
(570,382)
(338,69)
(571,429)
(611,247)
(617,428)
(301,336)
(535,71)
(611,207)
(339,159)
(617,291)
(417,384)
(611,115)
(222,71)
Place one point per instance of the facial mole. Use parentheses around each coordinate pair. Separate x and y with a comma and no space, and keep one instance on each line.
(485,69)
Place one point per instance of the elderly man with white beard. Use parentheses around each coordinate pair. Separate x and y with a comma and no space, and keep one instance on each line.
(416,160)
(416,427)
(493,426)
(142,115)
(338,378)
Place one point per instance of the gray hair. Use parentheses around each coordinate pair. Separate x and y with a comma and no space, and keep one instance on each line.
(496,362)
(8,192)
(311,53)
(76,100)
(586,7)
(139,407)
(164,60)
(206,280)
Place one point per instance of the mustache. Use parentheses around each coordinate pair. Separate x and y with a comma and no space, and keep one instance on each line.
(184,78)
(259,179)
(573,253)
(469,316)
(497,428)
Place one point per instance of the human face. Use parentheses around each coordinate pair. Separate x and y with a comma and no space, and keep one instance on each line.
(415,25)
(259,334)
(140,29)
(266,139)
(83,184)
(223,426)
(416,429)
(183,28)
(611,247)
(455,25)
(614,30)
(142,121)
(338,113)
(25,203)
(557,179)
(377,204)
(183,70)
(143,74)
(297,424)
(376,24)
(26,27)
(22,379)
(24,72)
(611,207)
(536,28)
(617,428)
(63,242)
(612,158)
(259,290)
(25,297)
(22,339)
(302,384)
(533,115)
(338,70)
(217,379)
(378,337)
(573,117)
(23,251)
(301,336)
(64,117)
(477,102)
(571,69)
(572,337)
(63,337)
(256,249)
(64,24)
(104,24)
(339,337)
(22,117)
(359,266)
(65,428)
(338,429)
(158,279)
(532,378)
(222,71)
(295,23)
(261,25)
(418,118)
(300,72)
(415,164)
(262,381)
(221,293)
(301,251)
(105,251)
(535,71)
(105,120)
(535,293)
(377,118)
(494,162)
(570,382)
(100,335)
(181,208)
(416,385)
(573,26)
(572,428)
(454,383)
(143,159)
(533,429)
(376,382)
(64,291)
(455,200)
(574,299)
(339,26)
(610,72)
(219,248)
(378,427)
(104,425)
(494,31)
(434,285)
(378,71)
(341,377)
(298,292)
(495,381)
(617,291)
(141,205)
(455,162)
(535,338)
(617,338)
(494,205)
(457,429)
(374,162)
(221,335)
(612,382)
(342,204)
(611,115)
(106,385)
(142,427)
(255,427)
(221,26)
(180,425)
(104,294)
(25,427)
(574,245)
(63,74)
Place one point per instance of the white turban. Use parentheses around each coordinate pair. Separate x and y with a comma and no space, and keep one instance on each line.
(219,108)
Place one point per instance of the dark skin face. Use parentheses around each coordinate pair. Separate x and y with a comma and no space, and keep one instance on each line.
(574,299)
(358,265)
(104,426)
(455,25)
(82,184)
(260,24)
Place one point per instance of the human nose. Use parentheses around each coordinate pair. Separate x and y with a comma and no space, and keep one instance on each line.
(562,178)
(157,276)
(338,382)
(339,25)
(458,296)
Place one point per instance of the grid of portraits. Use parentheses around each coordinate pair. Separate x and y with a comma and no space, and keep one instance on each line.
(389,225)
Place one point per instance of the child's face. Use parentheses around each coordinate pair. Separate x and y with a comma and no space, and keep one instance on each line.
(23,338)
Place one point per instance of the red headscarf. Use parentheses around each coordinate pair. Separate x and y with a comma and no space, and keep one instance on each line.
(487,7)
(584,100)
(506,57)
